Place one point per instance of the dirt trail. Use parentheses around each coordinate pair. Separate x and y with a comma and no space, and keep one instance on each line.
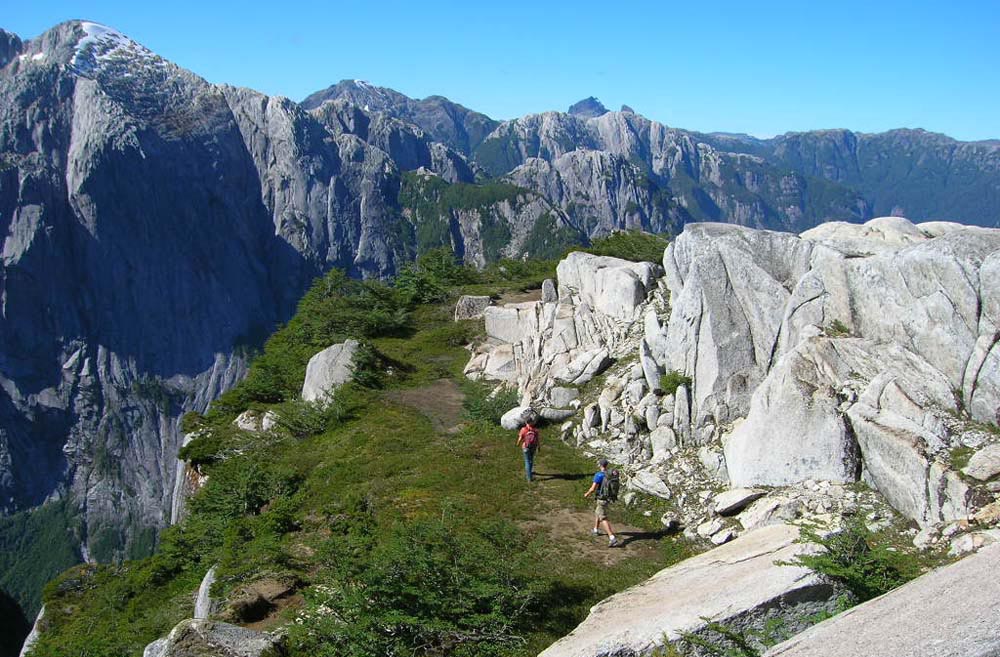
(440,401)
(519,297)
(570,528)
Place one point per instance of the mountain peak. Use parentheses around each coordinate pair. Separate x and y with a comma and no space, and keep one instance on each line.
(10,47)
(588,108)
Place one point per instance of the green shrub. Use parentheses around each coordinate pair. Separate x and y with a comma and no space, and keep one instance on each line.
(431,278)
(960,456)
(854,557)
(206,447)
(672,380)
(838,329)
(525,274)
(482,404)
(428,589)
(241,486)
(727,641)
(309,418)
(633,245)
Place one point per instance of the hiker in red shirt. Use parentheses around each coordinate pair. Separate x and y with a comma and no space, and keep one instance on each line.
(528,439)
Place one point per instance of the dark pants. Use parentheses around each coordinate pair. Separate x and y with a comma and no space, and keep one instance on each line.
(529,461)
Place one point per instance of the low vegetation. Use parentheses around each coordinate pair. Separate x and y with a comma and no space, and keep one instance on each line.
(838,329)
(399,532)
(867,563)
(633,245)
(672,380)
(484,404)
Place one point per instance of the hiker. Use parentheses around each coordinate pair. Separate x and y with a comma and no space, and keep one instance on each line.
(528,440)
(605,484)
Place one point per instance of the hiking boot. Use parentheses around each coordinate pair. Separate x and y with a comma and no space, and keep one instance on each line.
(613,542)
(595,532)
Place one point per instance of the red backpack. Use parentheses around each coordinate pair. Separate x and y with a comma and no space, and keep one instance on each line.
(530,439)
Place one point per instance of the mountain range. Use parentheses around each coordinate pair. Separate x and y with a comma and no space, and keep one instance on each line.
(157,227)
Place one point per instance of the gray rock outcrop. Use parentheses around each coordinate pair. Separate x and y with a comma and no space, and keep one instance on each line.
(587,108)
(818,356)
(950,612)
(204,638)
(517,417)
(984,464)
(570,340)
(471,307)
(203,603)
(329,369)
(665,174)
(738,584)
(799,377)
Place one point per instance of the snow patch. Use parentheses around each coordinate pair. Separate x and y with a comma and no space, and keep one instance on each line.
(38,56)
(369,87)
(101,45)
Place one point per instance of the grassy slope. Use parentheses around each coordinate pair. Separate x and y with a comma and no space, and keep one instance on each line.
(311,511)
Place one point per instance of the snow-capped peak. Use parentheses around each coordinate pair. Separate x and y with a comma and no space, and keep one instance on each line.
(102,44)
(369,87)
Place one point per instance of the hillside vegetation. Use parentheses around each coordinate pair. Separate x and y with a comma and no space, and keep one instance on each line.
(396,525)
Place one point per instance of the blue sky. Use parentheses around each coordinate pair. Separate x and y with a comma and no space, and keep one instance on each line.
(757,67)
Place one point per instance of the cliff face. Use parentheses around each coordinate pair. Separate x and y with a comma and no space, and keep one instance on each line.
(914,173)
(444,121)
(675,177)
(151,222)
(154,225)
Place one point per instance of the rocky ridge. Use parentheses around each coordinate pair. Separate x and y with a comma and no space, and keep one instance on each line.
(905,172)
(910,620)
(111,158)
(447,122)
(115,320)
(800,365)
(671,173)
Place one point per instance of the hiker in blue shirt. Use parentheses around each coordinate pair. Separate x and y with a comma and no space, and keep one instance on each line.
(601,510)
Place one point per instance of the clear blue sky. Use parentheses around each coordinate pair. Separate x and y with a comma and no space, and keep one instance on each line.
(758,67)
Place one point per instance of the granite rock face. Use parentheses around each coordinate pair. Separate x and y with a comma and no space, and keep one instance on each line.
(152,222)
(569,340)
(329,369)
(204,638)
(657,169)
(838,356)
(601,192)
(409,147)
(950,612)
(840,351)
(738,584)
(449,123)
(106,180)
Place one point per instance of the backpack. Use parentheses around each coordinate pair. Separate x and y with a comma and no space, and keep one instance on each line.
(610,486)
(530,440)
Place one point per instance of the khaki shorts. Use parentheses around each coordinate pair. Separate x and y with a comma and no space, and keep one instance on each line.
(601,510)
